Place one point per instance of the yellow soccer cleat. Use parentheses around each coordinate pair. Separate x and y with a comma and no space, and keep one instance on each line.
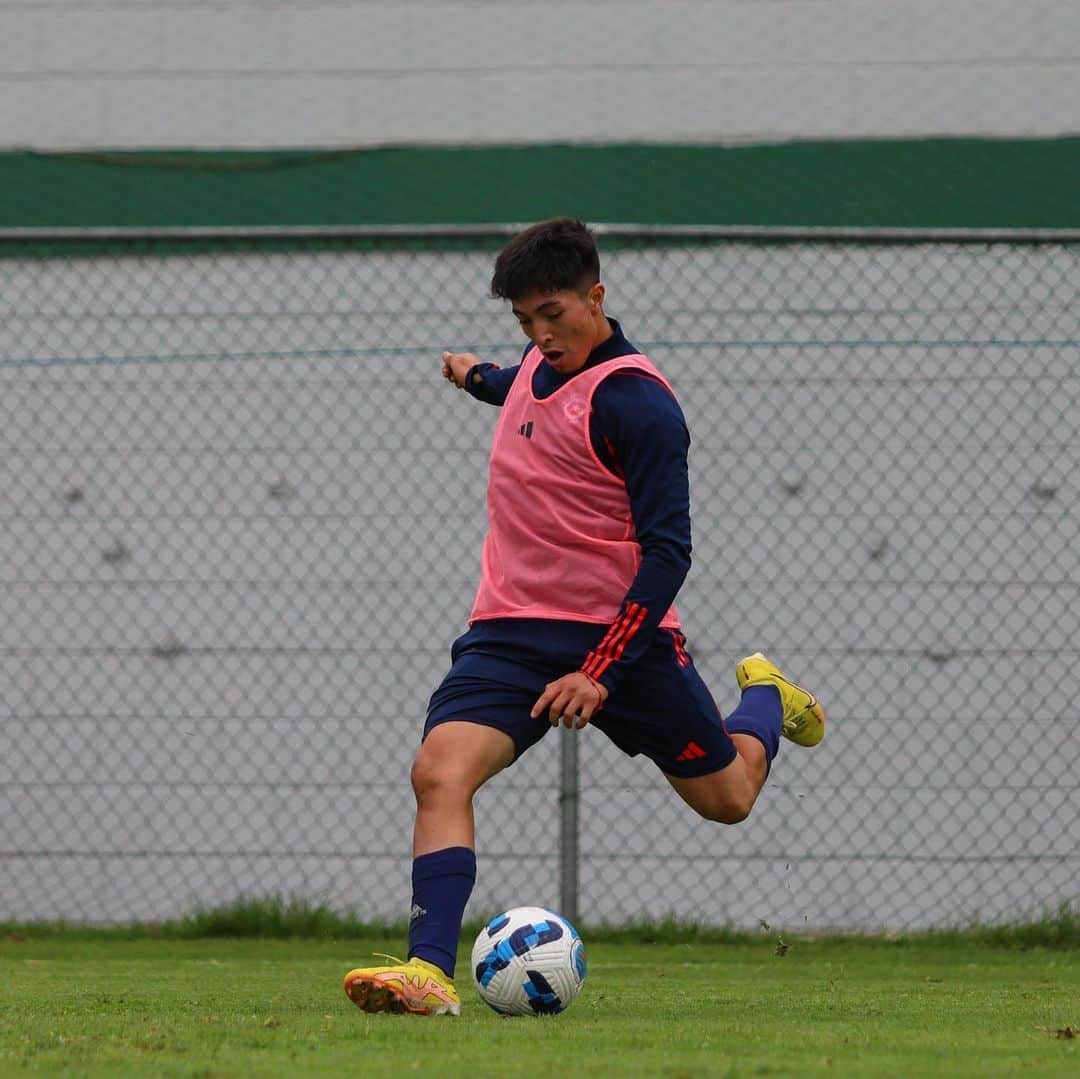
(412,988)
(804,718)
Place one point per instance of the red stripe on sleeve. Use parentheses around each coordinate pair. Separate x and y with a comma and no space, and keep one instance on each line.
(612,647)
(616,628)
(639,618)
(595,664)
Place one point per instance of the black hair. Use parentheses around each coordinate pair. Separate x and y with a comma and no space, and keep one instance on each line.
(548,257)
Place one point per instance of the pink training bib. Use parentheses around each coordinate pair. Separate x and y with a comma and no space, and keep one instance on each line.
(560,540)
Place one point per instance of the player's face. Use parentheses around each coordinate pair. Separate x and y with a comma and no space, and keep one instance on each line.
(565,325)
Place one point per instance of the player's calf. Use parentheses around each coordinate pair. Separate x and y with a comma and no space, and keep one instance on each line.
(726,796)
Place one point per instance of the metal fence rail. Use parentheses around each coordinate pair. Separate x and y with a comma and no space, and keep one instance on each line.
(240,518)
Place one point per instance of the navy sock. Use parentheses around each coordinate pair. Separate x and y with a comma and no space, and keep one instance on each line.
(442,882)
(761,714)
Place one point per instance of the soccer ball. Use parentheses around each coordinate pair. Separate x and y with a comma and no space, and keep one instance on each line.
(528,961)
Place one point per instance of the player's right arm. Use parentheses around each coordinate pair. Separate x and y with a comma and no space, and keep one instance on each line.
(485,381)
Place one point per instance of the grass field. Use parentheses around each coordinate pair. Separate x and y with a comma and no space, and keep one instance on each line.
(950,1006)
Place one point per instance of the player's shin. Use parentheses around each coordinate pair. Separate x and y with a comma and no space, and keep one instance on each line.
(759,713)
(442,883)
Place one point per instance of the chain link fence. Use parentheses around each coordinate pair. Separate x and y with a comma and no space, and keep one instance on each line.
(240,524)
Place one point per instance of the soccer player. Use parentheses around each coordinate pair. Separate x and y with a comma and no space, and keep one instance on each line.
(588,543)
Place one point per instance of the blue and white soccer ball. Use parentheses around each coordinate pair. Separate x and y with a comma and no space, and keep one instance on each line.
(528,961)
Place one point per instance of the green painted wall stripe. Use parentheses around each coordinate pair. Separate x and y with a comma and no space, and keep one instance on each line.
(921,183)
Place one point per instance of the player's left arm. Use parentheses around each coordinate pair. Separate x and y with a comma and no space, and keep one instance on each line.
(640,434)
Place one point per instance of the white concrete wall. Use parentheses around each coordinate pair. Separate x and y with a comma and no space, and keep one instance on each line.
(240,73)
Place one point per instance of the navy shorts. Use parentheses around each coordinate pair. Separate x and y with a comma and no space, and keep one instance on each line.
(661,707)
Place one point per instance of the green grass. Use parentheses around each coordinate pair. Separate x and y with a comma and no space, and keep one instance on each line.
(949,1005)
(280,918)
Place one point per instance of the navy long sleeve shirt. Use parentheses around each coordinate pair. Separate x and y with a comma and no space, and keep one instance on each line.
(639,433)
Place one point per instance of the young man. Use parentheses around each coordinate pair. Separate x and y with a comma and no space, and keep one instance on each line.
(573,623)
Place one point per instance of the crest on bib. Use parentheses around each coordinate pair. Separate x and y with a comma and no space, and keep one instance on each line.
(575,408)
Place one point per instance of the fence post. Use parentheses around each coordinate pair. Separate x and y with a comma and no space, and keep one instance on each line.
(569,791)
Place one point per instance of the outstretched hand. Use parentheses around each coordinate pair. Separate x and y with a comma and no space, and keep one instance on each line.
(456,367)
(572,700)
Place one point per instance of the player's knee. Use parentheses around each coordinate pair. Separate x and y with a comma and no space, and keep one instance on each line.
(733,814)
(433,778)
(727,809)
(424,775)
